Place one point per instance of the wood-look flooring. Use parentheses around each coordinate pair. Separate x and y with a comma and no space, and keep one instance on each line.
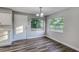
(42,44)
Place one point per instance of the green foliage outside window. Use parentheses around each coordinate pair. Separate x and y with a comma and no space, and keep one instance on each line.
(36,23)
(57,23)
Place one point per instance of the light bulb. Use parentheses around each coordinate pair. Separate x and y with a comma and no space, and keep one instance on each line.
(41,14)
(37,14)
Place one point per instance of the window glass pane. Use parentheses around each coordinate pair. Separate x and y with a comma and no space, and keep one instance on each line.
(19,29)
(37,23)
(4,35)
(57,24)
(6,32)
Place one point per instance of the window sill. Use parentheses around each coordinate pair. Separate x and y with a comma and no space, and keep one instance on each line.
(36,29)
(58,31)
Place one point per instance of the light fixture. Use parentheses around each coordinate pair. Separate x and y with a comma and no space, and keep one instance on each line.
(37,14)
(40,14)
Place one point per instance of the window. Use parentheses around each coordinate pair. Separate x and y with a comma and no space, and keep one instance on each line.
(4,35)
(19,29)
(37,24)
(57,24)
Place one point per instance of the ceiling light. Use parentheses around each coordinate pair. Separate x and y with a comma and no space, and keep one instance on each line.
(37,14)
(40,14)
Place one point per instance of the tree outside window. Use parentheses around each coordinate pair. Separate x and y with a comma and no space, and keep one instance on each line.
(57,24)
(37,24)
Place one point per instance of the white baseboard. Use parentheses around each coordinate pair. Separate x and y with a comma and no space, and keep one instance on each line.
(63,43)
(35,37)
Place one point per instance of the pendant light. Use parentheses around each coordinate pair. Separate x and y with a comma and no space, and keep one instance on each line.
(40,14)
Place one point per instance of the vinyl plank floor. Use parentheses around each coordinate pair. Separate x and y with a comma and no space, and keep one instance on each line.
(42,44)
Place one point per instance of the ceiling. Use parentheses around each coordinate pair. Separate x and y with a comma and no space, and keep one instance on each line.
(34,10)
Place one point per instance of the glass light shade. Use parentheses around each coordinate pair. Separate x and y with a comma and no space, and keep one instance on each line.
(41,14)
(37,14)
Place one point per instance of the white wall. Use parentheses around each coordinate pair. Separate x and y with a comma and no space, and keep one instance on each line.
(25,20)
(70,36)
